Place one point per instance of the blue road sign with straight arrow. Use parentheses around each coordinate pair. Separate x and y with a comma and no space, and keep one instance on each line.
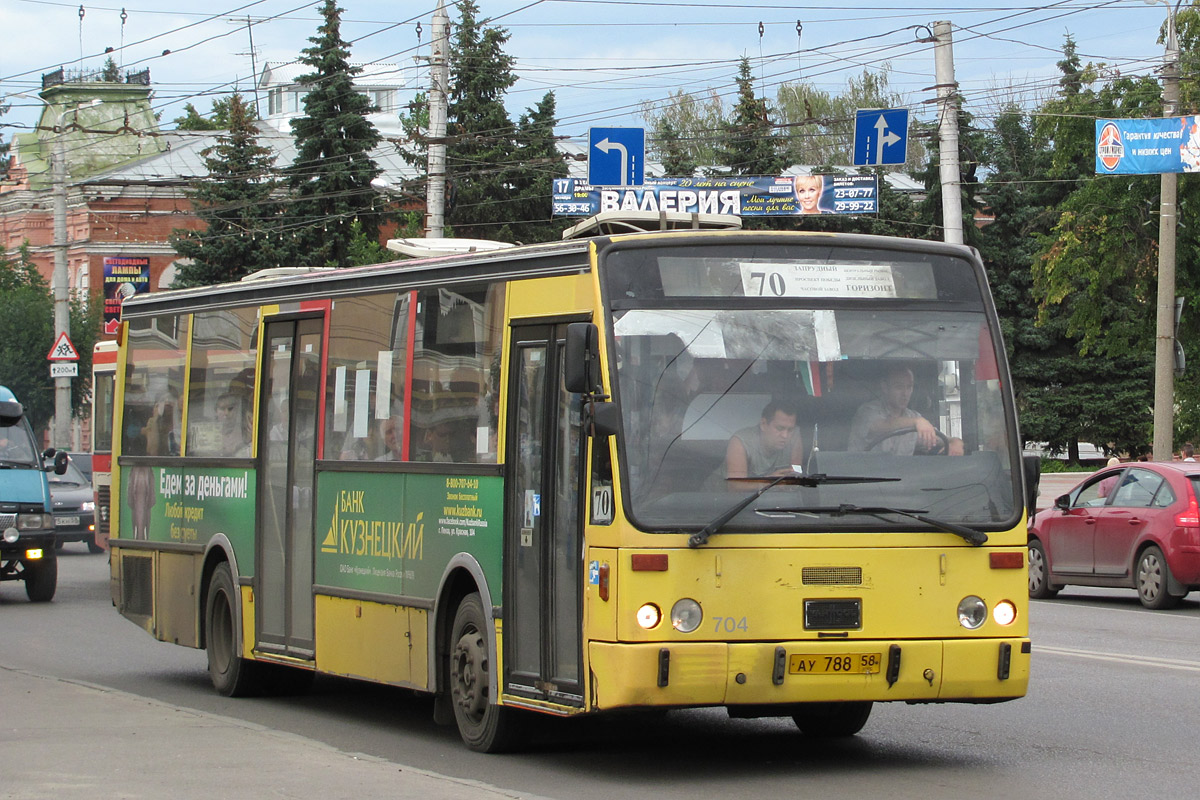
(616,156)
(880,136)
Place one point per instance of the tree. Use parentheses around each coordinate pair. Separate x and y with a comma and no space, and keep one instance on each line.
(217,120)
(237,203)
(481,156)
(541,163)
(748,143)
(684,131)
(330,178)
(110,73)
(27,333)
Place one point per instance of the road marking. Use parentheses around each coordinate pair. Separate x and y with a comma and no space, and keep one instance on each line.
(1079,602)
(1121,658)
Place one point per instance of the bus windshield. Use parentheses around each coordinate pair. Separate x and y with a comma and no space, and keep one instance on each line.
(17,448)
(731,369)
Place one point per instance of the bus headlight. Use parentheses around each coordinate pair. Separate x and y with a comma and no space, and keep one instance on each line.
(648,616)
(686,615)
(972,612)
(1004,613)
(11,534)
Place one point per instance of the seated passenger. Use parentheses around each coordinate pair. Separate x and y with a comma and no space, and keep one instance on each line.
(769,448)
(877,419)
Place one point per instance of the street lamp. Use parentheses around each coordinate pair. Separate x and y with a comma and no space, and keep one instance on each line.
(1164,336)
(62,317)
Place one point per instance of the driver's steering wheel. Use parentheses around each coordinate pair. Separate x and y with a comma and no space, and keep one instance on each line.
(943,445)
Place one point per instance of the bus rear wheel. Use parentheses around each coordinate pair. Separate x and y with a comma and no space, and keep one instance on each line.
(832,720)
(41,577)
(484,726)
(232,675)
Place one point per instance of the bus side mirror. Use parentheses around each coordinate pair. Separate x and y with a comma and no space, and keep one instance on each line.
(605,420)
(582,368)
(1032,466)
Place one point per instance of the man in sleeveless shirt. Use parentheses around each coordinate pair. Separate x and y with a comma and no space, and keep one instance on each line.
(767,449)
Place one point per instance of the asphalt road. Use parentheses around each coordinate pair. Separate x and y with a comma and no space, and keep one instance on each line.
(1113,687)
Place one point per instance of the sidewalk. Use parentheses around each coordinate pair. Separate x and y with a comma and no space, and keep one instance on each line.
(73,740)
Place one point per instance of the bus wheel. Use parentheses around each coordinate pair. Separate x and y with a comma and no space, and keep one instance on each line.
(832,720)
(483,725)
(41,578)
(232,675)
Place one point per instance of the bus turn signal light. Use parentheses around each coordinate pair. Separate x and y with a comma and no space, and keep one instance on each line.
(649,562)
(1007,560)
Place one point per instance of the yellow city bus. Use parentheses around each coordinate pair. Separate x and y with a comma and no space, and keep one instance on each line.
(504,478)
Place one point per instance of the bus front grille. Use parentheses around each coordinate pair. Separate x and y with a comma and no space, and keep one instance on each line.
(831,576)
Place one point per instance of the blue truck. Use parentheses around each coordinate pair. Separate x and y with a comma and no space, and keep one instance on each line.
(27,536)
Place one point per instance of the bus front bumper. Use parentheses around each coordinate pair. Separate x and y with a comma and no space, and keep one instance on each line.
(767,673)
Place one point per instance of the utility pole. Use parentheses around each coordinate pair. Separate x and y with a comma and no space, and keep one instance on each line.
(1164,338)
(62,315)
(947,89)
(439,72)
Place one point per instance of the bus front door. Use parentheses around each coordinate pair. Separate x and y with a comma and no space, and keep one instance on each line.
(543,548)
(287,449)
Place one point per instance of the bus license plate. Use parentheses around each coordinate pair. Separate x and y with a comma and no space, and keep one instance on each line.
(834,663)
(66,520)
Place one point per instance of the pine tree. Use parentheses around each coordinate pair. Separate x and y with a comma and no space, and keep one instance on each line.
(481,156)
(236,201)
(532,186)
(330,179)
(750,146)
(217,119)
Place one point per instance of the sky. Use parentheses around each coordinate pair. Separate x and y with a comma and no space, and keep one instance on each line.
(603,59)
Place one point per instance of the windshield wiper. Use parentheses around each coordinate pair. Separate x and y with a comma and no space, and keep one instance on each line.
(971,535)
(700,537)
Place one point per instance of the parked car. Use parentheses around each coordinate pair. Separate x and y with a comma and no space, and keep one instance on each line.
(84,462)
(74,507)
(1131,525)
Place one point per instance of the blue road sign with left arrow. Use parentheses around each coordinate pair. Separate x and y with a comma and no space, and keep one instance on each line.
(880,136)
(616,156)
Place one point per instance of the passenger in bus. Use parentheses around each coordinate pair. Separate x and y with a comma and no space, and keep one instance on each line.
(767,449)
(438,441)
(233,425)
(391,430)
(880,425)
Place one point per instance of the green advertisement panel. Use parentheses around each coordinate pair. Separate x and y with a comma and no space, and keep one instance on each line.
(189,506)
(394,533)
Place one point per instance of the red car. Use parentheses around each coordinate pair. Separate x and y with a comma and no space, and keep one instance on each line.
(1132,525)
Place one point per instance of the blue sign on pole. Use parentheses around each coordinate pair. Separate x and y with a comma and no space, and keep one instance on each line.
(616,156)
(880,136)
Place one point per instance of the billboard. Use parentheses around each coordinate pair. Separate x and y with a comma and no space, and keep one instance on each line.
(124,276)
(744,195)
(1147,146)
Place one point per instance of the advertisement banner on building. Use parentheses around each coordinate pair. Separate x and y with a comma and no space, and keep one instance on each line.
(743,195)
(1147,146)
(124,276)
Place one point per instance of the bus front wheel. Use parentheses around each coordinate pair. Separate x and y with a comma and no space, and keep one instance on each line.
(832,720)
(483,725)
(232,675)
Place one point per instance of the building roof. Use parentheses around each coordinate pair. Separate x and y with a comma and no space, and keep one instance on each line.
(375,74)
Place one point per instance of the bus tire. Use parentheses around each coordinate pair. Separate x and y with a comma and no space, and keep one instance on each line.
(832,720)
(484,726)
(41,577)
(232,675)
